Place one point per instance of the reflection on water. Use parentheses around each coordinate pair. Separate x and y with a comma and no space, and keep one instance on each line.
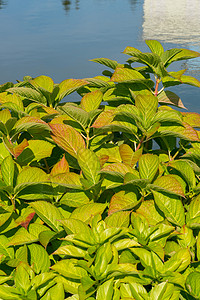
(67,4)
(174,21)
(2,4)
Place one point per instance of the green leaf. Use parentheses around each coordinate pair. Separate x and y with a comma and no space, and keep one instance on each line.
(8,170)
(123,200)
(55,292)
(178,54)
(79,228)
(105,290)
(155,46)
(92,100)
(87,211)
(32,125)
(148,166)
(128,155)
(22,236)
(4,247)
(171,206)
(28,176)
(68,86)
(43,82)
(179,261)
(149,211)
(76,113)
(168,116)
(70,250)
(185,170)
(36,150)
(118,219)
(29,93)
(193,214)
(149,259)
(67,138)
(164,291)
(39,258)
(192,118)
(69,269)
(168,97)
(147,105)
(152,60)
(193,284)
(106,62)
(90,165)
(3,152)
(168,184)
(131,76)
(48,213)
(22,280)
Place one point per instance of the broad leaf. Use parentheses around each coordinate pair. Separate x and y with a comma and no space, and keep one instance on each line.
(171,206)
(91,101)
(89,164)
(48,213)
(67,138)
(148,166)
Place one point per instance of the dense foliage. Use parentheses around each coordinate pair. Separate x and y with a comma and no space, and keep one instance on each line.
(100,199)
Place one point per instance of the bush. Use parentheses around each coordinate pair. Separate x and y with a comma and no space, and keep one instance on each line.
(100,199)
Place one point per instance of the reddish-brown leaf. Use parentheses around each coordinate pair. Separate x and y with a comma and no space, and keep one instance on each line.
(67,138)
(192,118)
(61,167)
(128,155)
(28,219)
(105,118)
(19,148)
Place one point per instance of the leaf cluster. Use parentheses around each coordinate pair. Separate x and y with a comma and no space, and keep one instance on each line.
(100,197)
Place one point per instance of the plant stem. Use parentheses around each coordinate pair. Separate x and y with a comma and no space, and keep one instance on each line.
(156,88)
(140,143)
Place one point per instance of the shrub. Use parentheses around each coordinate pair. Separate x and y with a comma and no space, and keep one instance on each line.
(100,198)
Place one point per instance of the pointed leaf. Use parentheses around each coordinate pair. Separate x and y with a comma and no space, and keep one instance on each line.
(171,206)
(155,46)
(148,166)
(122,200)
(8,170)
(48,213)
(128,155)
(28,93)
(106,62)
(67,138)
(193,284)
(193,214)
(39,258)
(68,86)
(168,97)
(92,100)
(90,165)
(60,167)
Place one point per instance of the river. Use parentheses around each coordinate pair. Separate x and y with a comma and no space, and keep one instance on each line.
(58,38)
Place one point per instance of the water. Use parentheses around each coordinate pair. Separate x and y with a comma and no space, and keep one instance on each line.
(58,38)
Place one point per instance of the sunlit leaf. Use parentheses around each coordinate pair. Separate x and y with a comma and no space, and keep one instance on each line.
(128,155)
(67,138)
(48,213)
(155,46)
(106,62)
(148,166)
(168,97)
(171,206)
(90,164)
(122,200)
(91,101)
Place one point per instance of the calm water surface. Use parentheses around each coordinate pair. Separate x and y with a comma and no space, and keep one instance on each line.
(57,38)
